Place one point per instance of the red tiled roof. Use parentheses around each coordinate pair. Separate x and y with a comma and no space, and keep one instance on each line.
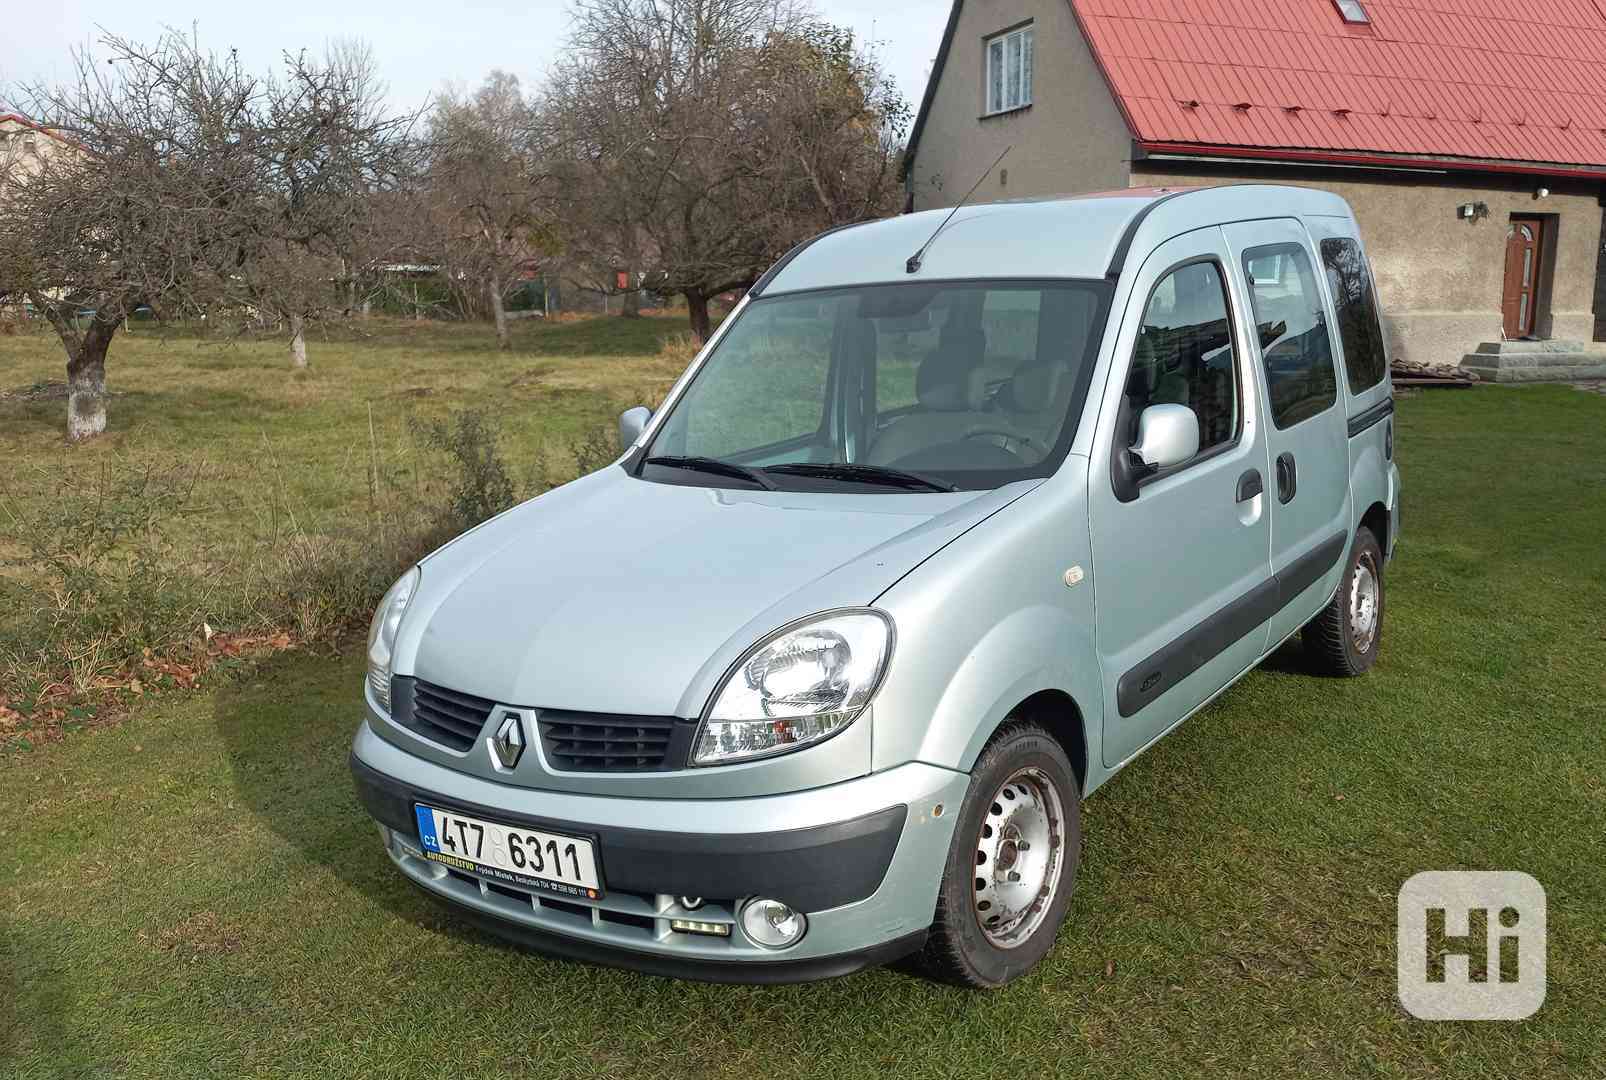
(1501,80)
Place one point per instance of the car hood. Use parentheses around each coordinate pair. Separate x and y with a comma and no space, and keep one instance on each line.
(614,594)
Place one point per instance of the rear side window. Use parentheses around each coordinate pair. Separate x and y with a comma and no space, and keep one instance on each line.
(1358,326)
(1294,345)
(1184,353)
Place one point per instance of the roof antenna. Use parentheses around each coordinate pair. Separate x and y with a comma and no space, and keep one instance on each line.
(913,265)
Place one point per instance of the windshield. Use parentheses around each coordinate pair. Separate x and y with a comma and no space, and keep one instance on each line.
(963,384)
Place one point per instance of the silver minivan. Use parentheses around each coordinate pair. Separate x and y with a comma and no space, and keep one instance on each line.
(951,520)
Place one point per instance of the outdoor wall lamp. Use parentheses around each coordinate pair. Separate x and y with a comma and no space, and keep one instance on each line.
(1472,211)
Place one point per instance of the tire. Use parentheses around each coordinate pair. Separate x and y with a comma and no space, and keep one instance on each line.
(1343,640)
(1025,774)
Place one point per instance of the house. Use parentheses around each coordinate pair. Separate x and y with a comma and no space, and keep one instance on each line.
(24,144)
(1468,135)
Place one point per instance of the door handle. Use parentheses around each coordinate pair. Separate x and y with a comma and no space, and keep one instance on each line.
(1287,477)
(1249,485)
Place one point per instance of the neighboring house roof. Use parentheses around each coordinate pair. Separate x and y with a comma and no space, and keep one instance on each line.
(18,118)
(1482,83)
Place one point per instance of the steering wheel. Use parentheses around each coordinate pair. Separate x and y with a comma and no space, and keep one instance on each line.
(1010,436)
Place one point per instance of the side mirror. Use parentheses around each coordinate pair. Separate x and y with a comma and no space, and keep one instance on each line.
(1167,435)
(632,422)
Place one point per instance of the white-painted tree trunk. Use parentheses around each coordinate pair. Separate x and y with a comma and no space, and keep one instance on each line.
(86,397)
(298,342)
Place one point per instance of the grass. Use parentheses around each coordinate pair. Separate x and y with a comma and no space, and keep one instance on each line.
(195,892)
(233,494)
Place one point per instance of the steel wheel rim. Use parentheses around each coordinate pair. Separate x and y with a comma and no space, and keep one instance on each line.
(1365,603)
(1020,850)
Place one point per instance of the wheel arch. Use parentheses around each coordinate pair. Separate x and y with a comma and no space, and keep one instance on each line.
(1376,518)
(1060,715)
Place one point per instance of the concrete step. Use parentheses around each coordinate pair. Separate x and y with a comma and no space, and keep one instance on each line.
(1537,367)
(1537,361)
(1525,348)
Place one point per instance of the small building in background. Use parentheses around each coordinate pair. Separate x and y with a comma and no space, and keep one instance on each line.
(1470,138)
(25,145)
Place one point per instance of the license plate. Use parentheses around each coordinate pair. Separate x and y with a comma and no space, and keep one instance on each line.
(513,854)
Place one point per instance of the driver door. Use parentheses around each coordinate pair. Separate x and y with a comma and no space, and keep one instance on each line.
(1181,561)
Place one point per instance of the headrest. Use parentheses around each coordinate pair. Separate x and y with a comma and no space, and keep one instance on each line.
(951,379)
(1032,389)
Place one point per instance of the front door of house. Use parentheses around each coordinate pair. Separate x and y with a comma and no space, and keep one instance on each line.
(1520,300)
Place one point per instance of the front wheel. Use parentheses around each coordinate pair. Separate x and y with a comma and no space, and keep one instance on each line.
(1012,864)
(1344,638)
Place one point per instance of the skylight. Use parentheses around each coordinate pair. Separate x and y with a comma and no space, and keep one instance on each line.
(1351,11)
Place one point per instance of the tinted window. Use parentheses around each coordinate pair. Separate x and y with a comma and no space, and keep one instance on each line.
(1184,353)
(1294,344)
(1358,327)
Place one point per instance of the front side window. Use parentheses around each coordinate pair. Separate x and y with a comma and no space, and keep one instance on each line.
(971,385)
(1294,346)
(1359,331)
(1009,71)
(1184,353)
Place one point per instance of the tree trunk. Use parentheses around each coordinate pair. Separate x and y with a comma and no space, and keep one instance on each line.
(86,382)
(298,342)
(499,312)
(697,307)
(632,308)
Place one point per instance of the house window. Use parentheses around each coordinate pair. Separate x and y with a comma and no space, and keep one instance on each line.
(1009,71)
(1351,11)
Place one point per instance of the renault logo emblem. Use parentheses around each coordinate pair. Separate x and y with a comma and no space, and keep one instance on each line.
(508,743)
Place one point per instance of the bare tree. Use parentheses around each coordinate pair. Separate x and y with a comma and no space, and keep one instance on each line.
(700,139)
(487,189)
(191,185)
(327,158)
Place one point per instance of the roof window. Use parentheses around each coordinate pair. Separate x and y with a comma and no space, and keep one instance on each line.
(1351,11)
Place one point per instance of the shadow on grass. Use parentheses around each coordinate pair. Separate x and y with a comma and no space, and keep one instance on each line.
(286,730)
(37,1019)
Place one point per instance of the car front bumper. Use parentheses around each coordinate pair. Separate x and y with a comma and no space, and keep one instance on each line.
(861,859)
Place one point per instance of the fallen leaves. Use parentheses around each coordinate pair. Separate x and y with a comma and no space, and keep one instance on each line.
(55,709)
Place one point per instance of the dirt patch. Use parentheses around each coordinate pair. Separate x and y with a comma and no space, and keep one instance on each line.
(202,934)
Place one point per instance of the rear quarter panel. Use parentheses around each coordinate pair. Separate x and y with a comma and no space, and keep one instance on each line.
(1373,477)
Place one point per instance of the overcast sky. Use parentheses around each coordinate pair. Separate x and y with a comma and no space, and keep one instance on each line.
(419,46)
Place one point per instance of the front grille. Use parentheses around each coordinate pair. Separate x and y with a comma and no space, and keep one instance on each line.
(601,742)
(449,717)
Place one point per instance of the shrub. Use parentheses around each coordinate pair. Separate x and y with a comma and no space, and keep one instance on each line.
(481,487)
(115,574)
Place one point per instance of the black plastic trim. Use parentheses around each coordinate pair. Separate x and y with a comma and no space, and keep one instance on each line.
(1363,420)
(1124,247)
(1287,478)
(758,972)
(811,869)
(1173,662)
(1250,484)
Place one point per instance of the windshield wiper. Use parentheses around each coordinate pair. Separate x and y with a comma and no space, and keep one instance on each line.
(714,465)
(863,474)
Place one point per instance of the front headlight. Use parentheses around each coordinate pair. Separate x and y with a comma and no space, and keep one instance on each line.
(382,634)
(802,684)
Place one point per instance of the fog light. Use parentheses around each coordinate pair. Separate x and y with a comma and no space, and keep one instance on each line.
(772,924)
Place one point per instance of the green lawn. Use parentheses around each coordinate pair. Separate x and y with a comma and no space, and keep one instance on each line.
(194,892)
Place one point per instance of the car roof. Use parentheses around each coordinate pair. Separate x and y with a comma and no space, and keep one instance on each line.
(1082,236)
